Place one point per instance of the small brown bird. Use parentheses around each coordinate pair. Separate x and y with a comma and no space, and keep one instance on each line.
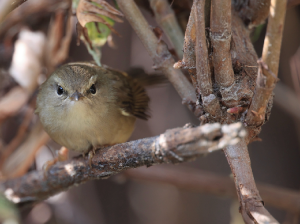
(83,106)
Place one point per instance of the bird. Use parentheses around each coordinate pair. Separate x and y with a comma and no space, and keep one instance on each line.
(83,106)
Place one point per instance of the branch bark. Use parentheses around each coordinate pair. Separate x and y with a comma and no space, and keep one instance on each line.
(204,79)
(165,17)
(174,146)
(268,65)
(158,50)
(251,204)
(220,25)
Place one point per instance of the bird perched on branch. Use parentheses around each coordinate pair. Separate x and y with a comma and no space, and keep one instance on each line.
(83,106)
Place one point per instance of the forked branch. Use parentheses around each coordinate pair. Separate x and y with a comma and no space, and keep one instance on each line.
(158,50)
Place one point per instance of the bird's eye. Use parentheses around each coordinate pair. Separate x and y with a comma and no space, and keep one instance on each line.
(93,89)
(60,90)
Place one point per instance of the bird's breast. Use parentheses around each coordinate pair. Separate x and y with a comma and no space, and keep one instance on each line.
(83,127)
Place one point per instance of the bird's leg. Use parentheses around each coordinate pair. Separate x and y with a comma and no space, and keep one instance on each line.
(62,155)
(93,151)
(91,155)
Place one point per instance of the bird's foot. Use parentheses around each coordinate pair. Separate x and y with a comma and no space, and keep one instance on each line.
(92,153)
(90,156)
(62,155)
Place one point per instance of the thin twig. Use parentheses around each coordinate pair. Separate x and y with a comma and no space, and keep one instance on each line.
(12,102)
(24,155)
(165,17)
(268,65)
(220,25)
(174,146)
(210,183)
(251,205)
(189,57)
(32,9)
(57,48)
(158,50)
(19,137)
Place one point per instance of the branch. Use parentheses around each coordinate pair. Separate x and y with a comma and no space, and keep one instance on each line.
(165,17)
(207,182)
(268,65)
(158,50)
(12,102)
(189,57)
(174,146)
(220,25)
(31,9)
(6,6)
(251,205)
(204,79)
(24,155)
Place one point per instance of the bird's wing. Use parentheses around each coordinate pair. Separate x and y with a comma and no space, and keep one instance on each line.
(131,96)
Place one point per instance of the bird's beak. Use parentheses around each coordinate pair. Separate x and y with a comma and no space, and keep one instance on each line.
(76,96)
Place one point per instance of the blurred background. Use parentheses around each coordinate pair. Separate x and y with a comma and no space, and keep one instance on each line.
(120,199)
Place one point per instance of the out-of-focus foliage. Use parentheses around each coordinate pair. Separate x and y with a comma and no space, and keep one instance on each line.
(97,21)
(8,212)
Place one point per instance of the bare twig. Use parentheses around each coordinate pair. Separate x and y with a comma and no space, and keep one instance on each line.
(268,66)
(207,182)
(204,80)
(251,205)
(158,50)
(33,9)
(12,102)
(189,57)
(174,146)
(165,17)
(19,162)
(19,137)
(57,48)
(220,25)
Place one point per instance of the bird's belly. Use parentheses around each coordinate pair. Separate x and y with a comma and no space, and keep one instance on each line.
(82,134)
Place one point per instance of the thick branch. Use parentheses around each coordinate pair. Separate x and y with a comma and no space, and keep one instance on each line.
(268,66)
(165,17)
(210,183)
(251,204)
(174,146)
(220,25)
(158,50)
(204,80)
